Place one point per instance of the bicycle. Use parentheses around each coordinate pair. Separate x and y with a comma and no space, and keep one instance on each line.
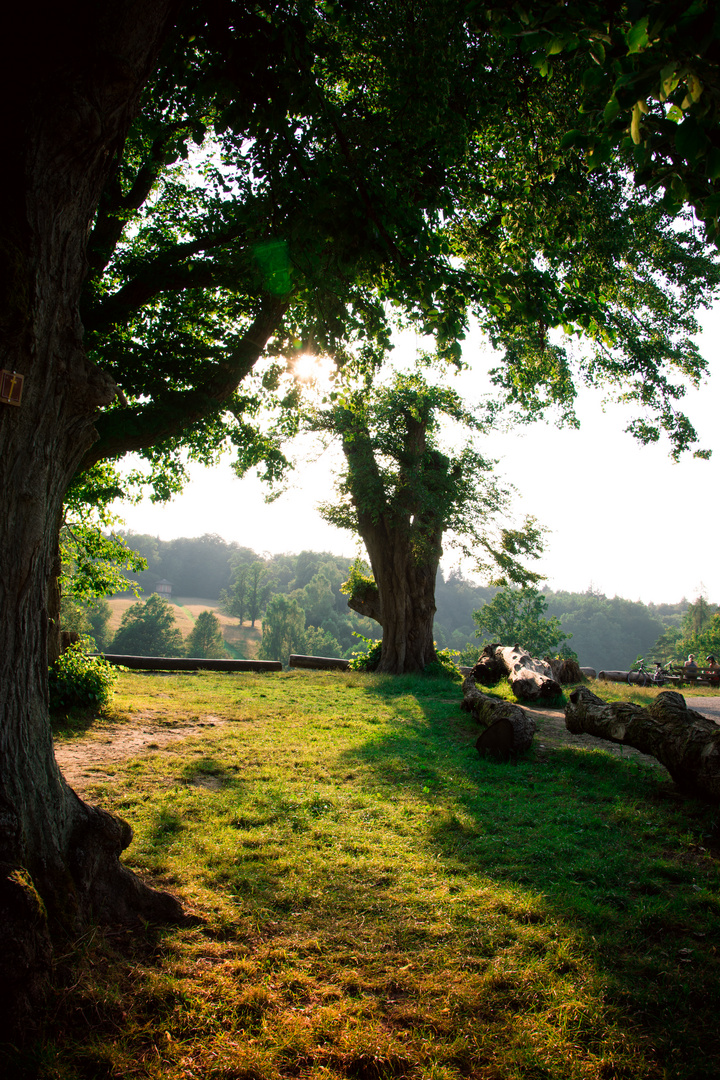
(640,676)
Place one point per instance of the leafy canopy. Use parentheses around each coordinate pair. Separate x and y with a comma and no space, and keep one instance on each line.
(302,176)
(400,477)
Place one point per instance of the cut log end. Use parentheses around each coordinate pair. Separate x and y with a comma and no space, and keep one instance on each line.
(498,741)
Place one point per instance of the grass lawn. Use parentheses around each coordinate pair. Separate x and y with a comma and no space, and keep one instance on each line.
(373,900)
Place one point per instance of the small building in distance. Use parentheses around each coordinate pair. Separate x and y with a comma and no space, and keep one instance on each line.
(164,589)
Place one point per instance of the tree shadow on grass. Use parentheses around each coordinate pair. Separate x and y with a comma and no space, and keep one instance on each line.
(603,846)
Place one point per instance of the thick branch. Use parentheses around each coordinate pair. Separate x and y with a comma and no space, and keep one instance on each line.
(134,428)
(168,272)
(369,606)
(114,206)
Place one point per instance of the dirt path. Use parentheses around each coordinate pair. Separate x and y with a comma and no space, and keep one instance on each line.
(92,758)
(553,735)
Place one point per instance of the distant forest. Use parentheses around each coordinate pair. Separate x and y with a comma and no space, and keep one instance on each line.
(606,632)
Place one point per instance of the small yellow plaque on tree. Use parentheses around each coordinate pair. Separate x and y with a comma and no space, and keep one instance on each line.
(11,387)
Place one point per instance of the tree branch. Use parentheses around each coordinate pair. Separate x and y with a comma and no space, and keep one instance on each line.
(124,430)
(166,273)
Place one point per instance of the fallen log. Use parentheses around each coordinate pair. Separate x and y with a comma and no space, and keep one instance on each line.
(189,663)
(323,663)
(531,679)
(613,676)
(683,740)
(488,670)
(564,670)
(512,728)
(589,672)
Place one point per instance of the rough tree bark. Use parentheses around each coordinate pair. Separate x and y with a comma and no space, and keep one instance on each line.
(405,605)
(530,679)
(684,741)
(70,89)
(404,545)
(489,670)
(518,725)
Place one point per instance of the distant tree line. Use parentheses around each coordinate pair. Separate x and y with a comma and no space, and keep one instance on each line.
(300,603)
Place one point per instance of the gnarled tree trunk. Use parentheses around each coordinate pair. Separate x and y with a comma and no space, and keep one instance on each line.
(406,598)
(69,96)
(684,741)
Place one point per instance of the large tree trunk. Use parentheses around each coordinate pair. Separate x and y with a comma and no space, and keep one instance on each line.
(72,83)
(405,604)
(684,741)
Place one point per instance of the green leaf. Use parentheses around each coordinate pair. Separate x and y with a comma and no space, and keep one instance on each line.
(611,110)
(637,37)
(713,162)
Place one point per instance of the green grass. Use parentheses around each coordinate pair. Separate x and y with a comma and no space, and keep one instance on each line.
(374,900)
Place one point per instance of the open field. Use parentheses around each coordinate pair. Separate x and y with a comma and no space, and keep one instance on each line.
(373,900)
(245,639)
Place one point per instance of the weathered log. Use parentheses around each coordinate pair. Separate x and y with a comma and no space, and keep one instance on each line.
(589,672)
(189,663)
(531,679)
(323,663)
(489,710)
(488,671)
(564,670)
(683,740)
(613,676)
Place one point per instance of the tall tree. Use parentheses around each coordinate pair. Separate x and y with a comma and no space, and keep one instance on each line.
(401,493)
(257,588)
(234,599)
(283,629)
(148,628)
(519,615)
(205,638)
(71,88)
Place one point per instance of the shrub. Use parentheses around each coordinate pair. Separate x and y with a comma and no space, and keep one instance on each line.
(368,660)
(444,666)
(148,629)
(81,681)
(206,639)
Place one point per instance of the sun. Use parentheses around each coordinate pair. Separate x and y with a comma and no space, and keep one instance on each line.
(312,369)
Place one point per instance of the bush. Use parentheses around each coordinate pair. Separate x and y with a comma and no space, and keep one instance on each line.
(206,639)
(445,666)
(369,660)
(81,681)
(148,629)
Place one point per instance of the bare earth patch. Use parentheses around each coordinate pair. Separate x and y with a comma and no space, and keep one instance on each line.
(93,757)
(553,735)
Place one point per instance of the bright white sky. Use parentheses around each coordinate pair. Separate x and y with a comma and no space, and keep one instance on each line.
(623,518)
